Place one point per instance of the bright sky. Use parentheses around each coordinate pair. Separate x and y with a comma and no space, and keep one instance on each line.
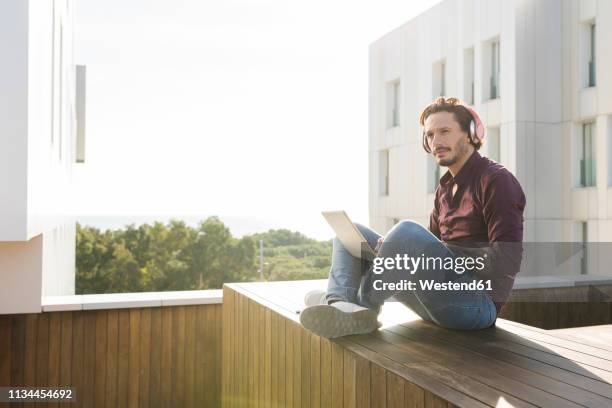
(229,107)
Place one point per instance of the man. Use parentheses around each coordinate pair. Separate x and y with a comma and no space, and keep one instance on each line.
(478,214)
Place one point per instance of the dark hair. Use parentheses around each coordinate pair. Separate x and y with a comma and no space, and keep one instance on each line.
(461,114)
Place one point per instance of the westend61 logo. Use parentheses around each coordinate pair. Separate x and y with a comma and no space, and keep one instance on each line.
(413,264)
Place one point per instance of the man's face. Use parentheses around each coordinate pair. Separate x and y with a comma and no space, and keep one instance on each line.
(448,143)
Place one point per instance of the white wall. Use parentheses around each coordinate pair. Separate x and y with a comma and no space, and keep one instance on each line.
(13,119)
(37,117)
(37,152)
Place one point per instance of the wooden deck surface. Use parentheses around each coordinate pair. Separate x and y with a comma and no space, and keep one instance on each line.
(268,357)
(600,335)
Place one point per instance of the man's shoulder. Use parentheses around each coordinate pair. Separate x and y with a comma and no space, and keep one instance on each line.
(494,172)
(497,179)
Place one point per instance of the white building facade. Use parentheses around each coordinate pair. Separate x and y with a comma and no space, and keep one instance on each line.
(40,142)
(539,72)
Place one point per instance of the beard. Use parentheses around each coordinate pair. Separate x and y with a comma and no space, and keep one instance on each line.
(461,150)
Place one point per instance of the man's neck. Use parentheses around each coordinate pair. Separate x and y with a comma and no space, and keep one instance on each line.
(456,167)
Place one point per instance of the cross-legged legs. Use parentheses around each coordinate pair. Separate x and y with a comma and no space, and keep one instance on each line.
(351,281)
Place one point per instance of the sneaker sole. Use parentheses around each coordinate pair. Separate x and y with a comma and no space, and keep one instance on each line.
(330,322)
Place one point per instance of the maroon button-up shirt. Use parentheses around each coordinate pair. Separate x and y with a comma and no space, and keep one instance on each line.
(486,210)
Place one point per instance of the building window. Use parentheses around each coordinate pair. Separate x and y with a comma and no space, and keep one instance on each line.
(609,137)
(433,174)
(492,144)
(393,103)
(495,68)
(468,76)
(587,155)
(439,78)
(491,69)
(588,53)
(80,112)
(383,170)
(591,66)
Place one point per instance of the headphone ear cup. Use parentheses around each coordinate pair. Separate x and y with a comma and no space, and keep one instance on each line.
(472,130)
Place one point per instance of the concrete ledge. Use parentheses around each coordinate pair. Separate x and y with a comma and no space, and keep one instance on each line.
(131,300)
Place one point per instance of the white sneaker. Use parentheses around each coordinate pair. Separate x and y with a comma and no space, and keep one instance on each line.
(339,319)
(315,297)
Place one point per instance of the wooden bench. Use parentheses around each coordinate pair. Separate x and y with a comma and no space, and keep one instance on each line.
(270,360)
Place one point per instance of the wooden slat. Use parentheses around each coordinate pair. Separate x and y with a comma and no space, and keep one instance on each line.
(232,325)
(315,371)
(257,347)
(18,350)
(282,357)
(273,359)
(297,366)
(156,357)
(378,383)
(100,359)
(289,370)
(200,379)
(349,378)
(251,352)
(243,314)
(337,375)
(433,401)
(237,329)
(89,361)
(78,354)
(66,353)
(274,377)
(305,366)
(55,337)
(414,396)
(215,359)
(362,382)
(189,346)
(112,359)
(178,356)
(6,337)
(267,327)
(123,358)
(145,358)
(395,391)
(42,350)
(228,295)
(326,373)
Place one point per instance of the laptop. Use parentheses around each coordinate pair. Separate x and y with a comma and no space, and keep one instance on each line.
(350,236)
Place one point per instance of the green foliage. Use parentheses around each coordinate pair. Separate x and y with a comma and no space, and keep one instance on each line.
(175,256)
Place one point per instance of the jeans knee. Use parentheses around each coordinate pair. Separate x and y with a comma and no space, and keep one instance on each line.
(337,244)
(406,229)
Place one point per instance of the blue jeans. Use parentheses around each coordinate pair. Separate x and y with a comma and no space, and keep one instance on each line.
(351,279)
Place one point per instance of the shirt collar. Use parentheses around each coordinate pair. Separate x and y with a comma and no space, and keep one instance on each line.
(465,173)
